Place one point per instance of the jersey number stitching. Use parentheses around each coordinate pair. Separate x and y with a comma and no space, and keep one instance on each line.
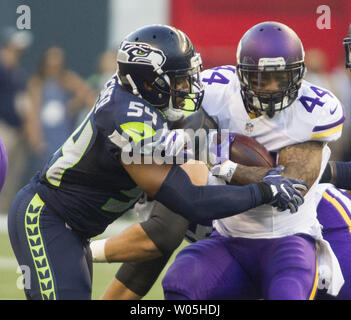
(309,103)
(72,152)
(217,77)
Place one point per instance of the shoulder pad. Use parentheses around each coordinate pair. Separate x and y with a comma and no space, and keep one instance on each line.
(127,120)
(322,110)
(218,76)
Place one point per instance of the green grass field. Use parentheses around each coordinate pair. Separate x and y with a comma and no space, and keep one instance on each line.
(102,275)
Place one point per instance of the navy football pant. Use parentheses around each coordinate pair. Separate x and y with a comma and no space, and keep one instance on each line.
(59,260)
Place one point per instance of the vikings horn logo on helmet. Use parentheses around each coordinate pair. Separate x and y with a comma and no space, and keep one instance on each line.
(136,52)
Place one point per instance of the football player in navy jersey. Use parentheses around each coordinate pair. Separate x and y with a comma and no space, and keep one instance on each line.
(110,160)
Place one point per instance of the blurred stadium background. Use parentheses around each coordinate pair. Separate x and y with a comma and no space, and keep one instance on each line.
(85,35)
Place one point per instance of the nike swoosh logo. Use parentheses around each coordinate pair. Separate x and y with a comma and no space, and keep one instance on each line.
(141,134)
(333,111)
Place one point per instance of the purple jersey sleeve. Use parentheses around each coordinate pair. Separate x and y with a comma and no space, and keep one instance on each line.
(3,164)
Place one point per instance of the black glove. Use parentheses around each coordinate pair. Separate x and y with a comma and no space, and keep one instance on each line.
(285,193)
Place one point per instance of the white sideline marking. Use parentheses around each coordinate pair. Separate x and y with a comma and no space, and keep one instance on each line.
(8,263)
(3,223)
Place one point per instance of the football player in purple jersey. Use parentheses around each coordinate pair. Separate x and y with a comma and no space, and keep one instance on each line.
(3,164)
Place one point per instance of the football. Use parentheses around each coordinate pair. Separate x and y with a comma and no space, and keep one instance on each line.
(247,151)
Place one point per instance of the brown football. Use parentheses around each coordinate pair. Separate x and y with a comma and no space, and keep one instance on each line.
(247,151)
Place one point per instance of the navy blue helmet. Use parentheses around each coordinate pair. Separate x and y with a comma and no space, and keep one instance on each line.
(159,64)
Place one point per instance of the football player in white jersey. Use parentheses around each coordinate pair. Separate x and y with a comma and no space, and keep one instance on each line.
(266,251)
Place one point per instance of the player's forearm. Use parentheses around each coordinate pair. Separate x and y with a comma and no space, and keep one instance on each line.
(173,187)
(302,161)
(244,175)
(131,245)
(199,203)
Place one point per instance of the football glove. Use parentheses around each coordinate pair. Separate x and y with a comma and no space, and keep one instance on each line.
(285,193)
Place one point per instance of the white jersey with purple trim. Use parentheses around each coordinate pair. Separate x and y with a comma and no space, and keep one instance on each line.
(316,114)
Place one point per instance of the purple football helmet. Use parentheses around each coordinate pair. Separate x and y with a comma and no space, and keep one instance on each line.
(3,164)
(347,46)
(270,64)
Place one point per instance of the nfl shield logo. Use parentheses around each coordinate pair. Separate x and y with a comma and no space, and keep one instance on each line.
(249,127)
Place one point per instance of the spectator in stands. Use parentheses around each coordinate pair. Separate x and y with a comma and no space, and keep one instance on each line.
(107,65)
(57,96)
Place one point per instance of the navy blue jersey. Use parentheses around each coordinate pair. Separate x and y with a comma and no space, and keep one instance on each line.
(84,181)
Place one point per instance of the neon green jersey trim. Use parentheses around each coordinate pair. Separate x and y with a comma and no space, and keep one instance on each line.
(37,249)
(138,131)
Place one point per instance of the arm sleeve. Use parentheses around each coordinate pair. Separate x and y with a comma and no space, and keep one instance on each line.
(140,276)
(343,175)
(199,203)
(166,229)
(338,173)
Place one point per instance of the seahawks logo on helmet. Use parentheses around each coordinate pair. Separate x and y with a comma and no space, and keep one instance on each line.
(143,53)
